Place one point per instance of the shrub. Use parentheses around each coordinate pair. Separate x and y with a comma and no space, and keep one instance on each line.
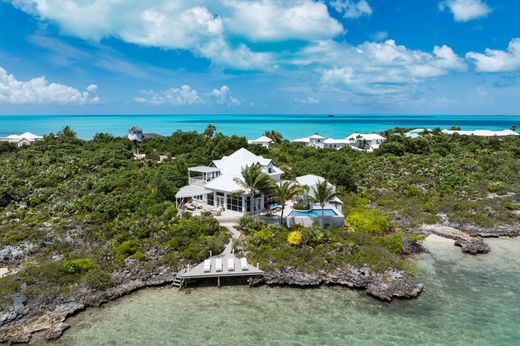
(295,238)
(393,242)
(79,265)
(127,248)
(98,279)
(262,237)
(369,221)
(170,212)
(249,224)
(301,206)
(139,256)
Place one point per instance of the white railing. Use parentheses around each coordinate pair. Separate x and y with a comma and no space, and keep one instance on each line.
(197,181)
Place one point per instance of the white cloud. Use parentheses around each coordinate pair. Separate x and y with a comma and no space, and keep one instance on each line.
(351,8)
(223,96)
(379,68)
(204,27)
(498,60)
(310,100)
(276,20)
(184,95)
(465,10)
(379,36)
(40,91)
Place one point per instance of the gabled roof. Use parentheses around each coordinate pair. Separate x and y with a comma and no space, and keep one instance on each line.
(262,139)
(241,158)
(302,140)
(224,183)
(309,180)
(316,136)
(335,141)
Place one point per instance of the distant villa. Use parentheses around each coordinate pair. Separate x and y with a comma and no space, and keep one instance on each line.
(359,141)
(26,138)
(482,133)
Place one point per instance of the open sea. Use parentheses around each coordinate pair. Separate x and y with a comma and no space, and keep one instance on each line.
(251,126)
(468,300)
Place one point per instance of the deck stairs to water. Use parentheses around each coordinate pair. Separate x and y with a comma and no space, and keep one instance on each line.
(178,281)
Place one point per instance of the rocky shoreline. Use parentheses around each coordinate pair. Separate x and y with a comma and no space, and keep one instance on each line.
(22,320)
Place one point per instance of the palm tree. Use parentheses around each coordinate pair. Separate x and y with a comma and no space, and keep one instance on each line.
(322,193)
(254,181)
(285,192)
(274,135)
(210,130)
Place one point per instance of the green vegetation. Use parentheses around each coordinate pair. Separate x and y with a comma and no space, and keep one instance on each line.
(87,208)
(314,249)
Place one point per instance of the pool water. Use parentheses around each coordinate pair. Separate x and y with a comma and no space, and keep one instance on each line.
(313,213)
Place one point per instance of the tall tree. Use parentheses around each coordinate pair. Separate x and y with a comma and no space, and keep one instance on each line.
(274,135)
(210,130)
(254,181)
(285,192)
(322,193)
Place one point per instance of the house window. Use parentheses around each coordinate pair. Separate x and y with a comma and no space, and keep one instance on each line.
(234,203)
(211,199)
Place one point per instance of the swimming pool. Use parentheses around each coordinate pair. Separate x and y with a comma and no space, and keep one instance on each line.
(312,213)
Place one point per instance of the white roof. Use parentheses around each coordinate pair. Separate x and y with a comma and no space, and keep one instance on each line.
(302,140)
(29,135)
(365,136)
(231,168)
(482,133)
(203,169)
(335,141)
(191,191)
(309,180)
(224,183)
(262,139)
(241,158)
(26,135)
(316,136)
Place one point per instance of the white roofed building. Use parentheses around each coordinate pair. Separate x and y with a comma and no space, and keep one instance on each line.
(482,133)
(318,141)
(215,184)
(263,141)
(25,138)
(310,181)
(365,141)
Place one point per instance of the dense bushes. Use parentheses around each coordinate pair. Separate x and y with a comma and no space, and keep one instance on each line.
(369,221)
(79,265)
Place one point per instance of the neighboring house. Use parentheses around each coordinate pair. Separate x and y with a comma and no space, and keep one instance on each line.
(416,133)
(309,181)
(482,133)
(263,141)
(215,184)
(331,143)
(321,142)
(365,141)
(26,138)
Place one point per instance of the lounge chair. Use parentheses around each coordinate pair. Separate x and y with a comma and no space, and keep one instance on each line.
(207,266)
(230,264)
(218,264)
(243,263)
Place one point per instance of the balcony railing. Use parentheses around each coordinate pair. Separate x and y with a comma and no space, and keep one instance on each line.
(197,181)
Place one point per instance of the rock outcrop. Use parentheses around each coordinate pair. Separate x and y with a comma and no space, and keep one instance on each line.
(472,246)
(385,286)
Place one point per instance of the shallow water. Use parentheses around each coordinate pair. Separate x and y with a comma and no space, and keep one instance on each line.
(467,301)
(251,126)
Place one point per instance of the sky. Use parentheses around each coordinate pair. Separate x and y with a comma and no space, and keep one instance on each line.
(259,56)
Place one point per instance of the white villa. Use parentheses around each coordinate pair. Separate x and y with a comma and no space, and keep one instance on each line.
(26,138)
(263,141)
(355,140)
(366,141)
(215,185)
(482,133)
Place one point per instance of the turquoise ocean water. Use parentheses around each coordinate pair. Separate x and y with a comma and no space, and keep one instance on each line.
(468,300)
(251,126)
